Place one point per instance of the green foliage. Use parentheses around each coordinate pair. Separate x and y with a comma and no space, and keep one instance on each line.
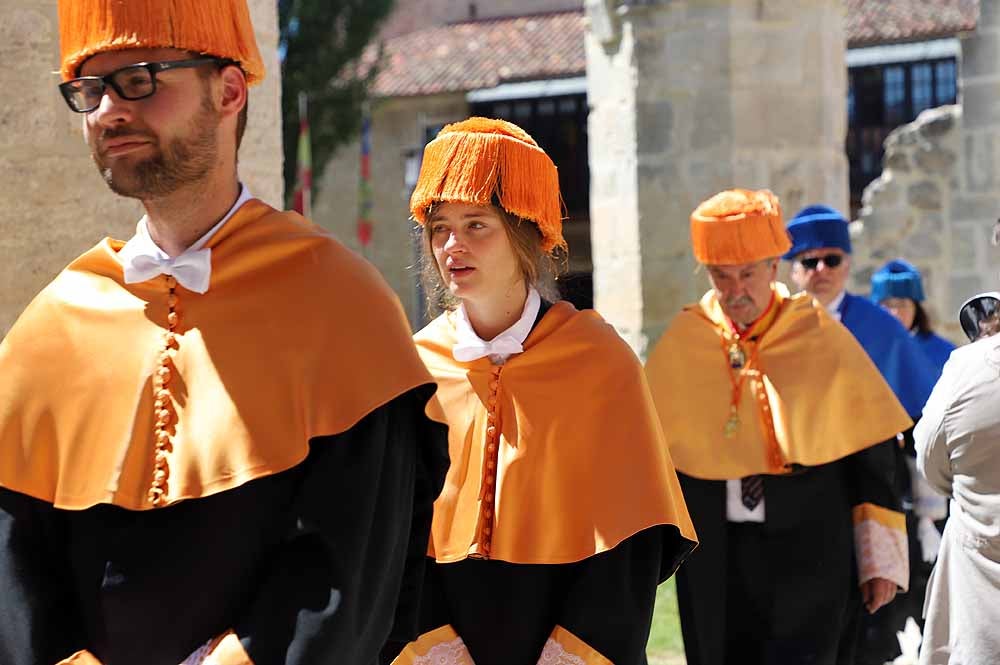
(321,43)
(665,643)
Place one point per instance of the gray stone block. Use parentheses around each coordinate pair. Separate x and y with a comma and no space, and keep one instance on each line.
(961,288)
(963,245)
(925,195)
(654,125)
(934,159)
(936,123)
(980,54)
(897,161)
(923,246)
(980,103)
(975,208)
(979,162)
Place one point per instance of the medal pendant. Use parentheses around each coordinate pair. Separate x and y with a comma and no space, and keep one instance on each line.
(736,358)
(732,425)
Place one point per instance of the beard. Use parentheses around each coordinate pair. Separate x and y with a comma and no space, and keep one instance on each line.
(181,161)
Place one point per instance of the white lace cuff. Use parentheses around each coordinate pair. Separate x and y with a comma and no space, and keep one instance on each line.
(565,648)
(880,545)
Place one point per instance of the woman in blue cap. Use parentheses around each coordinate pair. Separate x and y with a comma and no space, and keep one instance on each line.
(897,287)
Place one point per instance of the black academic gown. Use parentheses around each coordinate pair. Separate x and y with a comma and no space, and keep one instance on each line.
(784,592)
(306,566)
(505,612)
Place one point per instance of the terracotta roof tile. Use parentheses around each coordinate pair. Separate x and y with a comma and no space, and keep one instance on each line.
(482,54)
(872,22)
(485,53)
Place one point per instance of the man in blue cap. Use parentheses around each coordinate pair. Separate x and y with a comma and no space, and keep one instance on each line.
(821,259)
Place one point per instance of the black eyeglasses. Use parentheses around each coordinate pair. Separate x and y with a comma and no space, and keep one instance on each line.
(829,260)
(137,81)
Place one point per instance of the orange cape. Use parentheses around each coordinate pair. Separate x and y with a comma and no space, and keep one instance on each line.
(297,337)
(582,463)
(818,396)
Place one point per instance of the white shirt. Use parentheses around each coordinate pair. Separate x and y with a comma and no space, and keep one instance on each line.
(469,346)
(833,309)
(143,260)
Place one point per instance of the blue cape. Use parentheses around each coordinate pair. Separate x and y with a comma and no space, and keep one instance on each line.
(904,366)
(936,348)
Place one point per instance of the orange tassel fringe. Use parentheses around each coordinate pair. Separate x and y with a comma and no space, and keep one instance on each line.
(738,226)
(215,27)
(472,160)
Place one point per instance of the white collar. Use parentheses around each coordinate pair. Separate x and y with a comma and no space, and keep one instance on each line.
(469,346)
(142,259)
(834,307)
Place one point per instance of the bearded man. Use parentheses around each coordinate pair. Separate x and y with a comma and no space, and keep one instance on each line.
(213,440)
(781,430)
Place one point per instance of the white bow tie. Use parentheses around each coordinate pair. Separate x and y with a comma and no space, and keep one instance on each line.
(192,269)
(470,350)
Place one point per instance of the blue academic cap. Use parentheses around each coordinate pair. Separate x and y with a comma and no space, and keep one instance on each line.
(897,279)
(817,227)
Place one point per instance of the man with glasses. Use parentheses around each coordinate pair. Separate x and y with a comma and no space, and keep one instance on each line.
(779,427)
(213,440)
(821,264)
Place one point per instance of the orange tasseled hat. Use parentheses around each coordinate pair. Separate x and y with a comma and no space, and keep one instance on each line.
(473,160)
(221,28)
(738,226)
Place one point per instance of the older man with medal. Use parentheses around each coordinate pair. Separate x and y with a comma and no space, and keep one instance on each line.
(781,429)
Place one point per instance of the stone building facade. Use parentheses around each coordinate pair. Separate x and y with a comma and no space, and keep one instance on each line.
(683,98)
(53,203)
(937,201)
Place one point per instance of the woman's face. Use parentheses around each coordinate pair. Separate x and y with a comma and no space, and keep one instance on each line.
(473,252)
(903,309)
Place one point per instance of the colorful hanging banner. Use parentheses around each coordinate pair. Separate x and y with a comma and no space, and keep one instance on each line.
(365,227)
(303,184)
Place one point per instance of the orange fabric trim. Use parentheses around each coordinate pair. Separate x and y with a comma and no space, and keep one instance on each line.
(80,658)
(227,650)
(441,646)
(884,516)
(218,27)
(297,337)
(823,395)
(565,648)
(581,464)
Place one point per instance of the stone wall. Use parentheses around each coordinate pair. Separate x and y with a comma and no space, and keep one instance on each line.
(937,201)
(398,130)
(690,97)
(910,212)
(53,204)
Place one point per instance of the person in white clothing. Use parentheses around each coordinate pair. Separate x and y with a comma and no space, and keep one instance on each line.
(958,451)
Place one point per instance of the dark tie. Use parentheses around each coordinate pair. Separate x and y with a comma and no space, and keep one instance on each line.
(752,489)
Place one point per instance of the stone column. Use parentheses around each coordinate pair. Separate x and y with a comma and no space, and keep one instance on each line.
(690,97)
(937,200)
(53,204)
(975,196)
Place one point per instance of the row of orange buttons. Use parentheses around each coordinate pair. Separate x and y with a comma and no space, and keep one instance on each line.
(492,441)
(777,459)
(163,405)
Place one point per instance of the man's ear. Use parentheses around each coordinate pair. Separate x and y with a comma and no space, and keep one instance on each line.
(234,90)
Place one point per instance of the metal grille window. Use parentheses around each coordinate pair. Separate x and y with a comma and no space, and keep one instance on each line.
(882,97)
